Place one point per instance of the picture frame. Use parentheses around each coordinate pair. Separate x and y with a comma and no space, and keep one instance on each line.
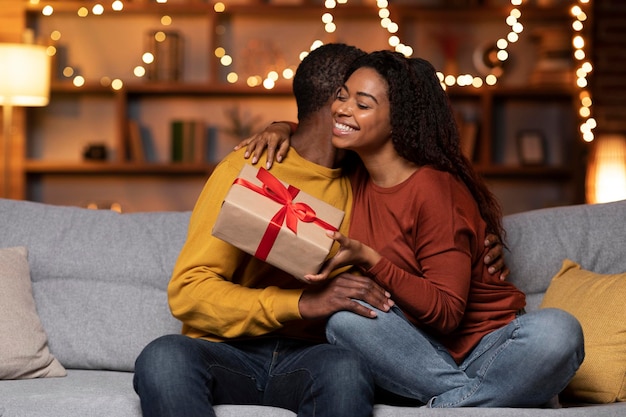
(531,147)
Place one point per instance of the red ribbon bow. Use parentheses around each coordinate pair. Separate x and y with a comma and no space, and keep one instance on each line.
(289,213)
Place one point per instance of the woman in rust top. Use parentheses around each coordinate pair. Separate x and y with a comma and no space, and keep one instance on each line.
(457,335)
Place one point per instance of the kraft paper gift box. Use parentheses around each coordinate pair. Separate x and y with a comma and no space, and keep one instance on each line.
(276,222)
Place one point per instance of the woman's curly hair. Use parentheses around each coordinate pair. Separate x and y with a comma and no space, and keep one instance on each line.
(423,127)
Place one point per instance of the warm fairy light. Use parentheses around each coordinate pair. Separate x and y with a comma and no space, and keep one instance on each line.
(139,71)
(160,36)
(330,27)
(232,77)
(588,123)
(288,73)
(585,67)
(78,81)
(97,9)
(268,84)
(147,58)
(226,60)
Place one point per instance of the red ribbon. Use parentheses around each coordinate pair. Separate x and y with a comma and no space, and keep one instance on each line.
(289,213)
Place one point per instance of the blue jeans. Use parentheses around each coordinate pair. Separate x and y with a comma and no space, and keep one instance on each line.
(176,375)
(523,364)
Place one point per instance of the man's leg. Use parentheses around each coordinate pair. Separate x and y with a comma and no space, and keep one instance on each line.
(176,376)
(319,381)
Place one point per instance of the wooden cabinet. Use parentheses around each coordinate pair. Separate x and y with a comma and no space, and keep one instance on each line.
(255,35)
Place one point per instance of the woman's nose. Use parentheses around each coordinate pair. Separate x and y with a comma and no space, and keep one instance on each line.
(342,108)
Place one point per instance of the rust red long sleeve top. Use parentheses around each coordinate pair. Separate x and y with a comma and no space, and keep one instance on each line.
(431,236)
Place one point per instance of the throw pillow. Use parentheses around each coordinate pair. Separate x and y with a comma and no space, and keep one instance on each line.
(597,301)
(24,349)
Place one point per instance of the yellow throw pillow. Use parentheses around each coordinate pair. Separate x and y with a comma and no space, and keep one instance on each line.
(599,302)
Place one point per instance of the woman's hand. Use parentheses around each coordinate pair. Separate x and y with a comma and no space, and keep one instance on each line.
(275,138)
(351,252)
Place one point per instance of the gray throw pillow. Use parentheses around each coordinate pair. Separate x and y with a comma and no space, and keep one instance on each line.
(24,349)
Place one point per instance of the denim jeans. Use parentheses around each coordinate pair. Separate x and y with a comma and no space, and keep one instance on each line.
(523,364)
(176,375)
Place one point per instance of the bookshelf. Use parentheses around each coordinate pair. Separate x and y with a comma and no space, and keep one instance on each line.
(99,114)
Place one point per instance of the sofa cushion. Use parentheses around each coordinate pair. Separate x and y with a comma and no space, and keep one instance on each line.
(99,278)
(597,301)
(592,234)
(24,349)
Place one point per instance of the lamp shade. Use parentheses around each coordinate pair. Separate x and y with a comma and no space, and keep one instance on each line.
(24,75)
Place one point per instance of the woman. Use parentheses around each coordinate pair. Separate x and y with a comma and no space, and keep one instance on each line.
(457,336)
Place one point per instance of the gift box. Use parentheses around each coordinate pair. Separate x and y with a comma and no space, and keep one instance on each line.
(276,222)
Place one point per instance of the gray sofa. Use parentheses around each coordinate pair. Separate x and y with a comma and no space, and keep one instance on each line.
(99,283)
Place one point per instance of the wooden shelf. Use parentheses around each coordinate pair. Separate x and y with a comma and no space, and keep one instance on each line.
(173,88)
(525,172)
(34,167)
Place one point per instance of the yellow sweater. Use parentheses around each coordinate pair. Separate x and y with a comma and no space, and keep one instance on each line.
(218,291)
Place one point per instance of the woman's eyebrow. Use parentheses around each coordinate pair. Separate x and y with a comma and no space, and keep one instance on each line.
(364,94)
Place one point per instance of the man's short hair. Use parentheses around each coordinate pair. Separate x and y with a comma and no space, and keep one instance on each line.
(320,74)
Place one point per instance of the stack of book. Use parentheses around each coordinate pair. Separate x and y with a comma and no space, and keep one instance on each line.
(167,50)
(189,141)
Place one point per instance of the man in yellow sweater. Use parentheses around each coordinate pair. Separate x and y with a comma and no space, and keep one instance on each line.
(252,334)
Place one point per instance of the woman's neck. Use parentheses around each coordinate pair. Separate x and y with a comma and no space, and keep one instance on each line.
(386,168)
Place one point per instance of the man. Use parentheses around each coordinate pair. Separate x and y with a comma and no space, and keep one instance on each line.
(252,334)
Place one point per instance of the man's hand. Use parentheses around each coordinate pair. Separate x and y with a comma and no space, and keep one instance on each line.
(339,294)
(275,138)
(494,258)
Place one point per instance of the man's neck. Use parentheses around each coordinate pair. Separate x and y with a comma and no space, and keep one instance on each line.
(312,140)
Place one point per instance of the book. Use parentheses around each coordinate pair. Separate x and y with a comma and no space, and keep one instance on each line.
(188,141)
(136,151)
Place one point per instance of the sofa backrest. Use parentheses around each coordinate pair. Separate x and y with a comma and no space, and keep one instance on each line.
(593,236)
(99,277)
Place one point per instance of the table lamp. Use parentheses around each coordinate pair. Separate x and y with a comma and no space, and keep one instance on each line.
(24,82)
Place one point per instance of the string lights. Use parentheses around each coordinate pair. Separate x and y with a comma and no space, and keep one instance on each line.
(588,123)
(269,80)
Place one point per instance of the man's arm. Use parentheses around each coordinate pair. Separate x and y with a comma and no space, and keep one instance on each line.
(205,295)
(340,294)
(202,292)
(494,258)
